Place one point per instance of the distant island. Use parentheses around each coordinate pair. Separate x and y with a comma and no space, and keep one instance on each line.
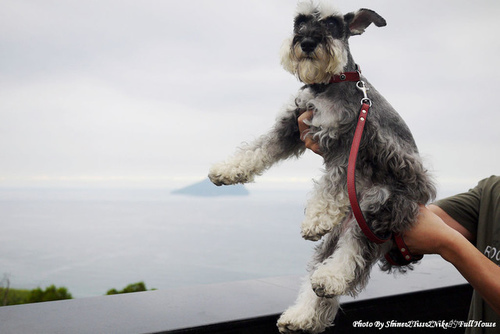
(206,188)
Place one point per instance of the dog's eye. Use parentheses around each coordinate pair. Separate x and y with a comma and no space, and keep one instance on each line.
(301,22)
(300,28)
(330,23)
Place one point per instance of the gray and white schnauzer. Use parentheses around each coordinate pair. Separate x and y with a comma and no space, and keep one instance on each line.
(391,181)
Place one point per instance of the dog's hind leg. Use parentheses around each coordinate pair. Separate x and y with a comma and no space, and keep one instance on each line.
(347,270)
(282,142)
(310,313)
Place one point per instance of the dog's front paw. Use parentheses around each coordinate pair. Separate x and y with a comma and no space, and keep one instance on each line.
(329,283)
(300,319)
(223,174)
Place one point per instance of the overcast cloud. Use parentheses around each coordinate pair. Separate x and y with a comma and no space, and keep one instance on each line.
(151,93)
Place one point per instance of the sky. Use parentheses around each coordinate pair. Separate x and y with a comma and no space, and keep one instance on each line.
(150,93)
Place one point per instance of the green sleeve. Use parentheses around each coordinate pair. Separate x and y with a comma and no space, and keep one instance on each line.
(464,208)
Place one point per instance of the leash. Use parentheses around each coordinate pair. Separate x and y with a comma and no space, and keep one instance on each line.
(351,169)
(401,255)
(397,256)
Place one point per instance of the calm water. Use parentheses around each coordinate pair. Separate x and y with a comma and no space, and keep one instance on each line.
(91,241)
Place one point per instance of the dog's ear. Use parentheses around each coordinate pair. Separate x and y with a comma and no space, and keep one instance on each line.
(359,21)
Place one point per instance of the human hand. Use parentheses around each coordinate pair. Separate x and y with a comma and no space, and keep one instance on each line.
(310,143)
(430,234)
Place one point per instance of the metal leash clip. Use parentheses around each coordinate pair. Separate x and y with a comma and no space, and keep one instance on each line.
(362,87)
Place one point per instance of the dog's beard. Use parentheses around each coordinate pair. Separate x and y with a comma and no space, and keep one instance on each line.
(310,70)
(318,67)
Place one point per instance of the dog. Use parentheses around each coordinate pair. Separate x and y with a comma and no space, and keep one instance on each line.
(390,179)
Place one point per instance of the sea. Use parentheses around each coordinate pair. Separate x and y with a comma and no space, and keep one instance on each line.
(93,240)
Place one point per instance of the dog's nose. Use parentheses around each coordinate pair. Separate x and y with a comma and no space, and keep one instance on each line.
(308,45)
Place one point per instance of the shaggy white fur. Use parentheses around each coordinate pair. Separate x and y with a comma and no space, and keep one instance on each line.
(241,168)
(310,313)
(325,210)
(323,8)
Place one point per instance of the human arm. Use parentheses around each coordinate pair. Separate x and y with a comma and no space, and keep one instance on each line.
(431,235)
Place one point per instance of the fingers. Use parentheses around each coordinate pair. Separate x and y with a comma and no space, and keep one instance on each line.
(309,142)
(313,145)
(305,116)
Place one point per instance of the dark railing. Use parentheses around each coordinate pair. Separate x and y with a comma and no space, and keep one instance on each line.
(434,292)
(432,308)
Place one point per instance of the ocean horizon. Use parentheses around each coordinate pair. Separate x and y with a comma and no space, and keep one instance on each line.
(93,240)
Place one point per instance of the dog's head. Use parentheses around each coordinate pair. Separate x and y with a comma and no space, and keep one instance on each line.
(318,48)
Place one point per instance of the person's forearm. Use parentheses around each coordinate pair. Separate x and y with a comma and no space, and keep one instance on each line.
(481,272)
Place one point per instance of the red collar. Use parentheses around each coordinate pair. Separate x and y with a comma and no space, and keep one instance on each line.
(346,76)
